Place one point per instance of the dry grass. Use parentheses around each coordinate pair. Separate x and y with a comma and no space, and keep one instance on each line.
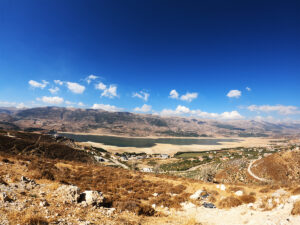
(123,189)
(265,190)
(247,199)
(296,208)
(296,191)
(36,220)
(229,202)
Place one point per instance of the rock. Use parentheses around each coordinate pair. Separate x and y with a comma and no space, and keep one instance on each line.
(204,195)
(188,205)
(155,194)
(91,198)
(25,179)
(28,183)
(294,198)
(196,195)
(44,203)
(250,205)
(209,205)
(4,197)
(239,193)
(222,187)
(279,193)
(68,193)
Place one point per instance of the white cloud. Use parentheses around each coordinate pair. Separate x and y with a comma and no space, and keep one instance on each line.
(189,96)
(59,82)
(90,78)
(53,90)
(110,108)
(144,108)
(182,110)
(281,109)
(178,111)
(100,86)
(75,87)
(234,94)
(142,95)
(248,89)
(12,104)
(174,94)
(231,115)
(36,84)
(51,100)
(110,92)
(81,104)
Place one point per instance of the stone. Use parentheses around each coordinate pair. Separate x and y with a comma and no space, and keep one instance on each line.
(209,205)
(196,195)
(239,193)
(4,197)
(68,193)
(91,198)
(44,203)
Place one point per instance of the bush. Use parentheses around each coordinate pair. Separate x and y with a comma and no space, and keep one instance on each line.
(296,208)
(229,202)
(247,199)
(36,220)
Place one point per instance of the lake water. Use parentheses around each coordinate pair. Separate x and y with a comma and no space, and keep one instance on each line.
(143,142)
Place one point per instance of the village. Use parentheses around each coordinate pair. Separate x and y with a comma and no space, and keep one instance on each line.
(186,161)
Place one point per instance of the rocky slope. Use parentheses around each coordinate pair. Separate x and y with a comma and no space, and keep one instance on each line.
(69,187)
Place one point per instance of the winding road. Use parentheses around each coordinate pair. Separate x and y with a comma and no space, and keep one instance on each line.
(253,175)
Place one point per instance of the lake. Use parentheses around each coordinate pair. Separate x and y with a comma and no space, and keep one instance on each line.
(142,142)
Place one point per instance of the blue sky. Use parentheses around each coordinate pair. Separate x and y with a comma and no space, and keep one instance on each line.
(201,49)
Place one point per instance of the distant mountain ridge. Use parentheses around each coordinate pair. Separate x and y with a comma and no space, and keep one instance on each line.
(131,124)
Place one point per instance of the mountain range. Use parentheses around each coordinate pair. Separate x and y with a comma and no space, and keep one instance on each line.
(131,124)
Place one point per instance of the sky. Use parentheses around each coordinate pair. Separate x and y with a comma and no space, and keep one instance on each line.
(211,59)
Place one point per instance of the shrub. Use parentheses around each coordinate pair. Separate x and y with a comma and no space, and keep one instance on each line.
(36,220)
(229,202)
(296,191)
(247,199)
(296,208)
(264,190)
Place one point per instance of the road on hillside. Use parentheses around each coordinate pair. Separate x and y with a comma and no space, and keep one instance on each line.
(253,175)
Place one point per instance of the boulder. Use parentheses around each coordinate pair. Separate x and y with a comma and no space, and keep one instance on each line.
(209,205)
(4,197)
(68,193)
(196,195)
(94,198)
(239,193)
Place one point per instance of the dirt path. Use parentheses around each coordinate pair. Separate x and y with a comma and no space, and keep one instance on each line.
(118,163)
(253,175)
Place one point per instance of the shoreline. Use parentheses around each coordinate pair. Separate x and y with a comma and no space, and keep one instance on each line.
(158,137)
(172,149)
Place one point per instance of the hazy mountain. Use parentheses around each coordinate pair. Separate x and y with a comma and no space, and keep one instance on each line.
(125,123)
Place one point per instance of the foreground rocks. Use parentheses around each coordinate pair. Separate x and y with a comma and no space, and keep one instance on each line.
(49,201)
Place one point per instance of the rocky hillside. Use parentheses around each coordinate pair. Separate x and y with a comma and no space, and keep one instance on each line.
(282,167)
(124,123)
(68,187)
